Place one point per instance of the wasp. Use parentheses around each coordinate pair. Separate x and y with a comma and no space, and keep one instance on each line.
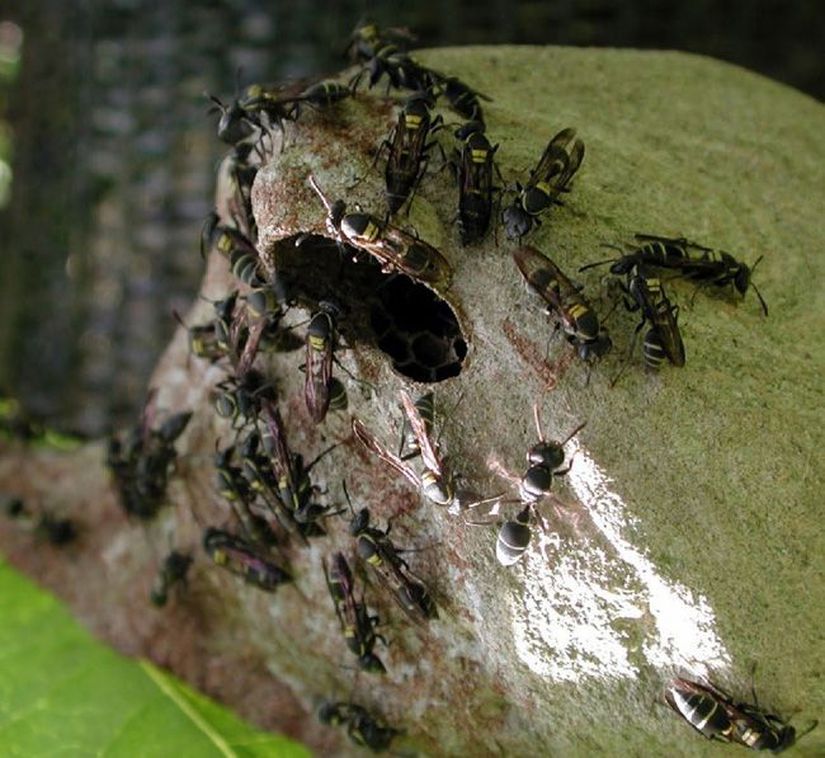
(323,94)
(552,176)
(401,70)
(140,461)
(367,39)
(237,123)
(234,488)
(436,482)
(239,398)
(294,486)
(462,98)
(173,571)
(663,340)
(394,248)
(242,559)
(57,531)
(258,472)
(356,623)
(565,302)
(693,261)
(376,550)
(203,342)
(425,408)
(475,182)
(408,149)
(714,714)
(362,728)
(544,461)
(320,344)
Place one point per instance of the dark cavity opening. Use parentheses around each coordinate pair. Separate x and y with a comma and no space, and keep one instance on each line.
(407,321)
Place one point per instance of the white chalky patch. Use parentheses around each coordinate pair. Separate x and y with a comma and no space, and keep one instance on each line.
(565,622)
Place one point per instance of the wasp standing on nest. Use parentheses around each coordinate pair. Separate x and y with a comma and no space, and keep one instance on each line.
(552,176)
(565,302)
(356,623)
(394,248)
(474,173)
(408,149)
(436,481)
(545,460)
(714,714)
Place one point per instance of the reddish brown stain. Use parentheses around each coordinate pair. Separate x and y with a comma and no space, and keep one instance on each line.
(531,353)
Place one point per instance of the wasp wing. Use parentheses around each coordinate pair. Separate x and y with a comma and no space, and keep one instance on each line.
(419,429)
(369,441)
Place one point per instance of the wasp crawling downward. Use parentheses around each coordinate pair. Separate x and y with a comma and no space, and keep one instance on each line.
(552,176)
(714,713)
(663,340)
(320,344)
(396,249)
(475,182)
(376,549)
(565,302)
(292,482)
(408,149)
(356,623)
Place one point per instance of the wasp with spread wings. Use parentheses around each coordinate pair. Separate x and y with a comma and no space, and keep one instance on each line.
(552,176)
(435,482)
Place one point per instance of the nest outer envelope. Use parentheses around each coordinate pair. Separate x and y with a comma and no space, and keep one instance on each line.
(710,475)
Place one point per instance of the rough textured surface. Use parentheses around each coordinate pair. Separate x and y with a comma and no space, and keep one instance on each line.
(691,542)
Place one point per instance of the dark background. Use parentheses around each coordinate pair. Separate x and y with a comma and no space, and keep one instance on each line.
(104,123)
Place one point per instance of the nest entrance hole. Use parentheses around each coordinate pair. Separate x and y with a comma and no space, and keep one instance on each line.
(414,327)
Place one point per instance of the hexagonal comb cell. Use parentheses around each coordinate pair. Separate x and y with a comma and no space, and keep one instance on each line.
(418,330)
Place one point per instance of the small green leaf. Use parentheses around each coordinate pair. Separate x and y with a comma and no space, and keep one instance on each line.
(64,694)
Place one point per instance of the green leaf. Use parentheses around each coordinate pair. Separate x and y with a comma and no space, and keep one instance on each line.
(64,694)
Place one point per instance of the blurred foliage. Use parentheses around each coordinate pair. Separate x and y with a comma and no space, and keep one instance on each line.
(53,676)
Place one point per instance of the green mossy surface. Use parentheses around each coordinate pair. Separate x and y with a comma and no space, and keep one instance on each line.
(719,463)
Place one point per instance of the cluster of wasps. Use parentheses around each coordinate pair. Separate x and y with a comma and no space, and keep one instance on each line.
(268,487)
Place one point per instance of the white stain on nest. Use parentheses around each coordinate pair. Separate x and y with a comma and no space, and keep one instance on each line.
(587,610)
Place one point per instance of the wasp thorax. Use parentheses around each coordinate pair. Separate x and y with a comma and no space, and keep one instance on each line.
(549,454)
(587,325)
(360,521)
(358,226)
(535,483)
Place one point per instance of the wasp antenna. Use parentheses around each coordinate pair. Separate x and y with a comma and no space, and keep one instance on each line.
(537,420)
(324,199)
(600,263)
(346,495)
(574,433)
(761,299)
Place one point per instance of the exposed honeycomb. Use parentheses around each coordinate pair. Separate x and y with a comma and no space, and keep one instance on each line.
(406,320)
